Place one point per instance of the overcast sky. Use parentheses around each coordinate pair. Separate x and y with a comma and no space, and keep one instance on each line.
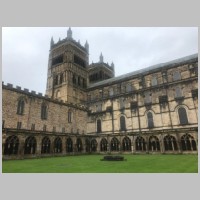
(25,51)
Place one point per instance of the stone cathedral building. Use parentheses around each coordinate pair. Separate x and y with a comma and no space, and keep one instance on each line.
(86,109)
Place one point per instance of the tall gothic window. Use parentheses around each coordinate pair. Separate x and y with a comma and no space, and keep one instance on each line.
(69,117)
(182,116)
(20,107)
(61,78)
(122,123)
(176,76)
(44,111)
(150,120)
(98,126)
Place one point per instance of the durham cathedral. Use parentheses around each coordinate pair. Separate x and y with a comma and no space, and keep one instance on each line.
(87,110)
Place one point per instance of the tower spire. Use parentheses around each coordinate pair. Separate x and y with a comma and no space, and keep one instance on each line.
(52,42)
(101,58)
(87,46)
(69,33)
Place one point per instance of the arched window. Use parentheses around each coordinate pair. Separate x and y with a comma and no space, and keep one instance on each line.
(178,92)
(11,145)
(79,145)
(57,145)
(182,116)
(176,76)
(154,144)
(188,143)
(98,126)
(126,144)
(20,107)
(61,78)
(56,80)
(170,143)
(140,144)
(122,123)
(30,145)
(150,120)
(154,81)
(69,145)
(103,145)
(45,145)
(93,145)
(114,144)
(44,111)
(74,79)
(69,116)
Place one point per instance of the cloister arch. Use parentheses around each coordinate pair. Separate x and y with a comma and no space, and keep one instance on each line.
(46,144)
(69,145)
(11,145)
(140,144)
(126,144)
(30,145)
(114,144)
(103,145)
(170,143)
(154,144)
(188,143)
(58,145)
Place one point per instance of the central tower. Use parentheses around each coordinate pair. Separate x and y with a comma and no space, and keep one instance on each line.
(67,75)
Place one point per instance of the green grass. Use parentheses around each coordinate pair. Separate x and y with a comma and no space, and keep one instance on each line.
(92,164)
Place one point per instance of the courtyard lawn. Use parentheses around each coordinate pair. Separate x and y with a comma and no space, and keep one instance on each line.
(92,164)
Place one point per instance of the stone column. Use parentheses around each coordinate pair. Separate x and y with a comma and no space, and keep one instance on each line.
(64,146)
(52,145)
(38,145)
(21,146)
(161,144)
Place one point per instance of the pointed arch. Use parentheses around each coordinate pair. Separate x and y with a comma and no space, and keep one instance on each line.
(103,145)
(57,145)
(140,144)
(30,145)
(188,143)
(99,130)
(11,145)
(150,119)
(69,145)
(44,111)
(79,145)
(20,106)
(114,144)
(122,123)
(46,144)
(126,144)
(93,145)
(154,144)
(170,143)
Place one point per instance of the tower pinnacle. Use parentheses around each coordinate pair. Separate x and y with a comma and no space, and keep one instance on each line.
(101,58)
(52,42)
(69,33)
(87,46)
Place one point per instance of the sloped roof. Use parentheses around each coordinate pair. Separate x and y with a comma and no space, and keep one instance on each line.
(145,70)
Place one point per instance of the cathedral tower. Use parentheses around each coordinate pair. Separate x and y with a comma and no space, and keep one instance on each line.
(67,76)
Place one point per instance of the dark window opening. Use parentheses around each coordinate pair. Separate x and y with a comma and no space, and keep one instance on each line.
(57,60)
(122,123)
(150,120)
(188,143)
(170,143)
(57,145)
(44,111)
(69,145)
(61,78)
(98,126)
(30,145)
(79,61)
(140,144)
(11,145)
(103,145)
(69,117)
(114,144)
(154,144)
(182,116)
(126,144)
(45,145)
(20,107)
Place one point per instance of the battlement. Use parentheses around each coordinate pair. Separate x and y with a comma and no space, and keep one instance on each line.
(26,91)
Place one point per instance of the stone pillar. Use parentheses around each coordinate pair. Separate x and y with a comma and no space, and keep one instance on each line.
(161,144)
(38,145)
(64,146)
(52,145)
(21,147)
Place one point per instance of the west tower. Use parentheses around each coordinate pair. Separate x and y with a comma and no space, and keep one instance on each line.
(67,76)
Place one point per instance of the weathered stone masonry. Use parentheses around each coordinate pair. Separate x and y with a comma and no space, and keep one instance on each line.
(88,110)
